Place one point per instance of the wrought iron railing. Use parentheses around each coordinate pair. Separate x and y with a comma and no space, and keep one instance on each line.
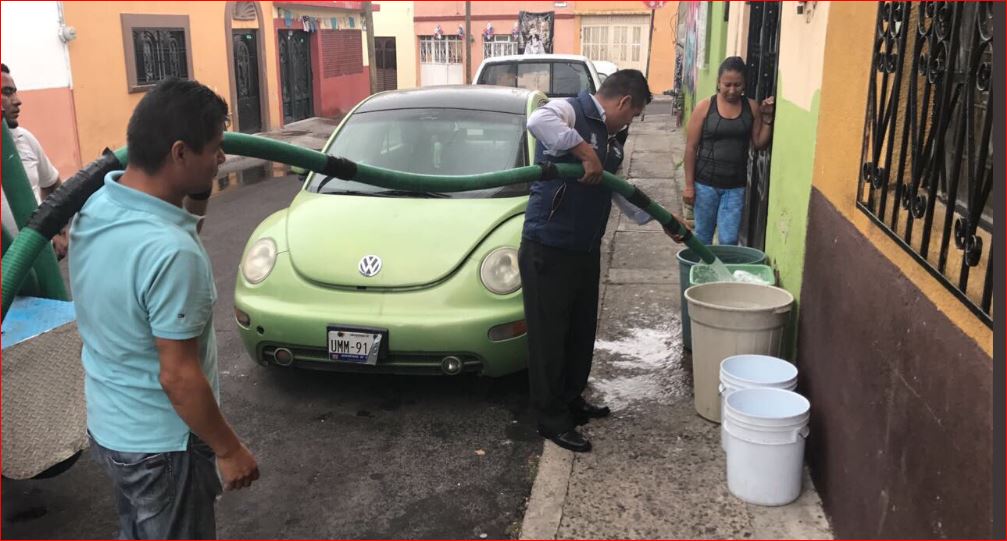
(926,167)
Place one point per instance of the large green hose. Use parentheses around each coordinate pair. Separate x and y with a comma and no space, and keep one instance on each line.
(30,287)
(268,149)
(56,210)
(17,188)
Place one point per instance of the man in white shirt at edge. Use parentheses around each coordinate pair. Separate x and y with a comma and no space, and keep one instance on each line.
(41,172)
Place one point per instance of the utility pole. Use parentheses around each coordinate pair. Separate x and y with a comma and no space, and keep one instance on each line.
(650,44)
(468,42)
(369,21)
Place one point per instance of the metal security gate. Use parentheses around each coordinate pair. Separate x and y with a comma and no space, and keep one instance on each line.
(441,61)
(295,75)
(246,78)
(763,56)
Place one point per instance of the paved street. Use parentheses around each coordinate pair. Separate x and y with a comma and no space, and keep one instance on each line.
(347,456)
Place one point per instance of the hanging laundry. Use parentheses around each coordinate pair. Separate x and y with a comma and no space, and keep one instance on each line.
(288,18)
(353,23)
(335,23)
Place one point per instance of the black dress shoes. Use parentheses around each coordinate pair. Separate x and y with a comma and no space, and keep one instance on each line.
(571,439)
(582,411)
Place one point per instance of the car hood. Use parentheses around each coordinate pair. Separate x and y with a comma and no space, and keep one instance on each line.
(419,241)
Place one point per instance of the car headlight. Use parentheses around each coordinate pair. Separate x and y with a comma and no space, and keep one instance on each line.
(259,260)
(499,272)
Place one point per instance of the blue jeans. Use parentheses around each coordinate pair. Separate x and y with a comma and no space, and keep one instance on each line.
(163,495)
(721,209)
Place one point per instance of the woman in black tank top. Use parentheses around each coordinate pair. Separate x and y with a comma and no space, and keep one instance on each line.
(720,132)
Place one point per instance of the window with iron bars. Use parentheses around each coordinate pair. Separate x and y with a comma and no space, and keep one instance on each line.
(499,46)
(444,50)
(155,47)
(159,54)
(926,169)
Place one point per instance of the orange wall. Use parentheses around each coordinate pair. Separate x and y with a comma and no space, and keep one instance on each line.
(662,48)
(48,113)
(102,100)
(836,170)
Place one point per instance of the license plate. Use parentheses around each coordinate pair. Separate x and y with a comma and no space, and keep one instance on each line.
(354,346)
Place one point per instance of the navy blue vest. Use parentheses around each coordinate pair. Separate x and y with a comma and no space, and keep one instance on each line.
(576,219)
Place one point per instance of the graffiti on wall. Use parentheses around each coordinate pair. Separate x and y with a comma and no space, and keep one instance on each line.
(692,18)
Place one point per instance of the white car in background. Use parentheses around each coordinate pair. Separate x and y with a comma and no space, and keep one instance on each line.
(557,75)
(604,68)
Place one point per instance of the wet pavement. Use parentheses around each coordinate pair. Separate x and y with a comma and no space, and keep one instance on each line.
(341,455)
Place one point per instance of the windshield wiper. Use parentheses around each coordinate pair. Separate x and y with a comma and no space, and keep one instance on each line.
(351,192)
(411,193)
(386,193)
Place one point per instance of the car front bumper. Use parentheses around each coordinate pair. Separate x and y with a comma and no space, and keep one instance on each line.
(425,326)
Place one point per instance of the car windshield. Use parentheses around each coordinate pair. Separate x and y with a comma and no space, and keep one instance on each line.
(556,79)
(446,142)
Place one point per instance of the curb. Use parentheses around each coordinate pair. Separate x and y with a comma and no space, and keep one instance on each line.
(548,494)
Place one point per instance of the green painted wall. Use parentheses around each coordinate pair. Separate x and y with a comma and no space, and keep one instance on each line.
(790,180)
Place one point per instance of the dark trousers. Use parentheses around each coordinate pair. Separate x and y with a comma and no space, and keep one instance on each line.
(561,308)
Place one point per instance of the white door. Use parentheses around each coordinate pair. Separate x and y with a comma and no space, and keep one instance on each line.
(441,61)
(621,39)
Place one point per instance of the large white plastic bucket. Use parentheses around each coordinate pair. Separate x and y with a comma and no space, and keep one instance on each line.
(752,372)
(732,318)
(765,454)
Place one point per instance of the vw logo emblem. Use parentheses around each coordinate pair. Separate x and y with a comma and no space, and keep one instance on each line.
(369,265)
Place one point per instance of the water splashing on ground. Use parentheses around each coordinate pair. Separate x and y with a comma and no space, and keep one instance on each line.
(648,367)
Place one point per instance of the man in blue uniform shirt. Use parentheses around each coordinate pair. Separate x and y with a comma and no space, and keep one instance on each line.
(559,256)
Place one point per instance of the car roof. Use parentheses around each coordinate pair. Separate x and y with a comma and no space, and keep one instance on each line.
(535,58)
(606,67)
(500,99)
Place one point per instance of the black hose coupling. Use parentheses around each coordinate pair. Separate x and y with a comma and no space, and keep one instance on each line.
(57,209)
(639,199)
(549,170)
(340,168)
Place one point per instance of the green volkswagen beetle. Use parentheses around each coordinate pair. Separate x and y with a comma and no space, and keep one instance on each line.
(359,278)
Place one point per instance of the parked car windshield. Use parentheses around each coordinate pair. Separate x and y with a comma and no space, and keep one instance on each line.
(556,79)
(446,142)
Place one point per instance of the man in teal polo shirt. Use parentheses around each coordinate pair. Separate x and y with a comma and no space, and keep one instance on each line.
(144,293)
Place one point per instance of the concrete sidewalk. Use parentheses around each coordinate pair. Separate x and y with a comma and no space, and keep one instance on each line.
(657,469)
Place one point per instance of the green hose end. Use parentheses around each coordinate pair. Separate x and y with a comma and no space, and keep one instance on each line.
(17,263)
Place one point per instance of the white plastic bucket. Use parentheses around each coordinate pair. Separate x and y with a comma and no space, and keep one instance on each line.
(765,455)
(752,372)
(732,318)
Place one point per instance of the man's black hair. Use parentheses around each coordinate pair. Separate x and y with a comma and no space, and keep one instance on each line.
(174,110)
(630,83)
(4,68)
(733,63)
